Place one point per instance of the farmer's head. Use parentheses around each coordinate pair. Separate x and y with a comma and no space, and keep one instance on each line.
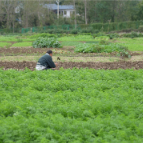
(50,52)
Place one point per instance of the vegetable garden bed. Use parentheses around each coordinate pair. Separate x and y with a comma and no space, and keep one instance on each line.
(95,65)
(71,106)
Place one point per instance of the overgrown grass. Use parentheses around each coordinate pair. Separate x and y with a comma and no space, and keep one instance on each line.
(22,44)
(29,39)
(70,43)
(10,38)
(77,38)
(4,44)
(133,44)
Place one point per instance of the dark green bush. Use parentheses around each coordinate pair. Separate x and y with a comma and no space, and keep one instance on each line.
(46,43)
(97,26)
(123,52)
(44,35)
(134,34)
(141,28)
(103,42)
(98,49)
(113,35)
(74,31)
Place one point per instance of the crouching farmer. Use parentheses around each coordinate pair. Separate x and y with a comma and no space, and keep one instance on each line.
(46,62)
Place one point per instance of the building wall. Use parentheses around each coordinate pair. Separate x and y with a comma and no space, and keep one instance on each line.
(67,13)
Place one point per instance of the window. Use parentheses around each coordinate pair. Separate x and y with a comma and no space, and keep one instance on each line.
(65,12)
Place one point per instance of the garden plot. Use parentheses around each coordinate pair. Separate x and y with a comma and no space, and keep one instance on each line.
(72,106)
(62,59)
(66,65)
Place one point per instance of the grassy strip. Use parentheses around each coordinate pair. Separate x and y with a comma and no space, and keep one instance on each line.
(70,43)
(7,39)
(77,38)
(22,44)
(134,44)
(4,44)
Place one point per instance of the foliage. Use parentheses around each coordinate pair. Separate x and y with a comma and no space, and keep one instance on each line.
(4,44)
(138,15)
(74,31)
(70,43)
(134,44)
(22,44)
(99,34)
(44,35)
(105,38)
(113,35)
(8,38)
(76,38)
(72,106)
(19,39)
(141,28)
(46,43)
(102,46)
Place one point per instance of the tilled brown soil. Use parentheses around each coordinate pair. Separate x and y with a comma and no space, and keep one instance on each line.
(10,51)
(108,65)
(61,51)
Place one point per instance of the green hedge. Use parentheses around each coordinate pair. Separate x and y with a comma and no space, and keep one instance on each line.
(106,27)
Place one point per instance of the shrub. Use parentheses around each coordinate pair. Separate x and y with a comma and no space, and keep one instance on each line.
(112,36)
(46,43)
(141,28)
(44,35)
(102,42)
(19,39)
(97,26)
(74,31)
(134,34)
(124,52)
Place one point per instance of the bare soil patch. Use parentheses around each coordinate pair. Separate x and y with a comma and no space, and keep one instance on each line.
(67,65)
(11,51)
(61,51)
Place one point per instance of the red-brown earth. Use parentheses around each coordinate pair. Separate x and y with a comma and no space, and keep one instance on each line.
(98,65)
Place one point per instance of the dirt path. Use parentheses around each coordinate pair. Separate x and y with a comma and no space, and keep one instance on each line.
(66,65)
(71,59)
(62,59)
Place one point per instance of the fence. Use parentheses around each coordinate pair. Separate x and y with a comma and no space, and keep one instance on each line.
(51,27)
(105,27)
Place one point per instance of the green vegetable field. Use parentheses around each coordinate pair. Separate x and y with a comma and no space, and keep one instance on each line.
(71,106)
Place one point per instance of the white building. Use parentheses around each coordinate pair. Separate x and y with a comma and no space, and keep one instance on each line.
(65,10)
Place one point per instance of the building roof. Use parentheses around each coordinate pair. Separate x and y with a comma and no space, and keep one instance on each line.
(61,7)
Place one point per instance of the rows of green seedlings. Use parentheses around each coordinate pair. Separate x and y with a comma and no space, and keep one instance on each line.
(71,106)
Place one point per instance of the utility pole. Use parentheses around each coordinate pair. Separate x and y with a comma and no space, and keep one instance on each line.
(58,1)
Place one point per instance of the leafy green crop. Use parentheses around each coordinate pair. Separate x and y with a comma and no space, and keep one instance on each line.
(74,106)
(46,43)
(102,46)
